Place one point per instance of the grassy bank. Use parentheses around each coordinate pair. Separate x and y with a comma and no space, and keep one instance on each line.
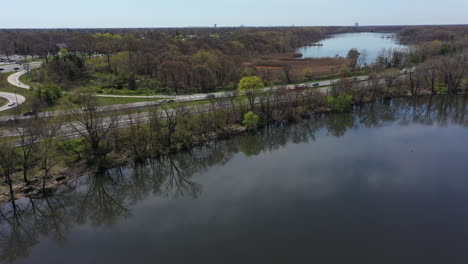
(3,101)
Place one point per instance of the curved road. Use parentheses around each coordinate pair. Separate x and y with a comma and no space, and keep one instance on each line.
(13,79)
(18,99)
(11,97)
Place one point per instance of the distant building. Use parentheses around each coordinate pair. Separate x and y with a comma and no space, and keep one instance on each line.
(356,25)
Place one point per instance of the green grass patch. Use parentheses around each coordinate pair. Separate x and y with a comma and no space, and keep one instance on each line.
(26,80)
(119,100)
(3,101)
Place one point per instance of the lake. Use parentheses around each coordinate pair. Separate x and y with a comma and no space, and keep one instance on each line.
(385,183)
(340,44)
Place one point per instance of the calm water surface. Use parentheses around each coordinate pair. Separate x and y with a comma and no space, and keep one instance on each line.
(340,44)
(387,183)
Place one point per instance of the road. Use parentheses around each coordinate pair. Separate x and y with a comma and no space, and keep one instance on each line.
(14,80)
(11,97)
(17,67)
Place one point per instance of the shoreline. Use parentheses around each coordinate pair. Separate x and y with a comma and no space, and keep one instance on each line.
(67,174)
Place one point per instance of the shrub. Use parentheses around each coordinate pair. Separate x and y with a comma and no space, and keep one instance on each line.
(308,74)
(340,102)
(49,94)
(345,72)
(441,88)
(250,120)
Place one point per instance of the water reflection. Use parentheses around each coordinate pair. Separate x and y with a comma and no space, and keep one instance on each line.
(107,199)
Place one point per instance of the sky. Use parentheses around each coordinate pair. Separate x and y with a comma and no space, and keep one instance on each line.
(178,13)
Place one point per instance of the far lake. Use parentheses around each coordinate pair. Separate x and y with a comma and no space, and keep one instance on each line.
(385,183)
(340,44)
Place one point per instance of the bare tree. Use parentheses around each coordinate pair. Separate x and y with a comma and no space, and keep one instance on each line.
(29,135)
(47,148)
(373,82)
(232,97)
(138,135)
(8,161)
(431,71)
(91,124)
(362,59)
(453,69)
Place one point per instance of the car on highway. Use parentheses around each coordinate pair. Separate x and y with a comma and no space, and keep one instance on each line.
(91,109)
(29,113)
(210,96)
(300,86)
(316,84)
(11,103)
(1,69)
(16,68)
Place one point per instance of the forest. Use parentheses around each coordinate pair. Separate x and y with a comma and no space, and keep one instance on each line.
(189,60)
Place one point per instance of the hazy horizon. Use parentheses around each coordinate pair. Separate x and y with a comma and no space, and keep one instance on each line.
(226,13)
(245,26)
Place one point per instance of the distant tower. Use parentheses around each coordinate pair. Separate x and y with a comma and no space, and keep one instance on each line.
(216,25)
(356,25)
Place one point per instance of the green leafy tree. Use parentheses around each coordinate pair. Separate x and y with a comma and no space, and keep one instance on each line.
(340,102)
(251,86)
(345,72)
(63,51)
(49,94)
(108,44)
(250,120)
(441,88)
(308,74)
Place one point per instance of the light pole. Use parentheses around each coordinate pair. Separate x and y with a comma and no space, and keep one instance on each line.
(16,98)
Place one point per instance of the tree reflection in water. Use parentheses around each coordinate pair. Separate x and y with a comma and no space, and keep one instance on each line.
(107,197)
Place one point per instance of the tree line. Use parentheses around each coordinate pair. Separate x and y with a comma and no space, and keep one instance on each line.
(177,59)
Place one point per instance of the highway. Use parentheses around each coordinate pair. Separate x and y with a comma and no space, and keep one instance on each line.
(17,67)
